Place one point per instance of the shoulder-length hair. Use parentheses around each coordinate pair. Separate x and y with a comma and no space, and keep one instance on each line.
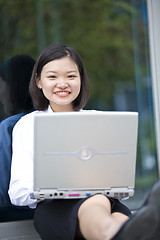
(52,52)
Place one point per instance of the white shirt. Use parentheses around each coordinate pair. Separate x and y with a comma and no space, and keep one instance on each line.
(21,182)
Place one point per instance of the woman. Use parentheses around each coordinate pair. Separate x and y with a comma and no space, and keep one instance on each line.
(59,83)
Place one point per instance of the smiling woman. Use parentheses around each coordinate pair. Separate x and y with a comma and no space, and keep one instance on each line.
(60,82)
(116,52)
(60,78)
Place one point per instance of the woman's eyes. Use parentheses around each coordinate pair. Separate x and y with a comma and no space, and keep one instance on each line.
(55,77)
(71,76)
(52,77)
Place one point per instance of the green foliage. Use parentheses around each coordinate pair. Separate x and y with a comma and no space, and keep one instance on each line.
(100,30)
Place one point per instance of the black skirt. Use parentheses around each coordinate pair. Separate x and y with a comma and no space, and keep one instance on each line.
(57,219)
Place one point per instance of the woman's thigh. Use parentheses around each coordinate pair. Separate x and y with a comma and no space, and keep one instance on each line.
(58,219)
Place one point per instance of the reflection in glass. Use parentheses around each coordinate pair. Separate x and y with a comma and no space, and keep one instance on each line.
(15,75)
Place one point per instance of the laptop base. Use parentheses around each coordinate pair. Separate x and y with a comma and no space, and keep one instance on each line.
(118,193)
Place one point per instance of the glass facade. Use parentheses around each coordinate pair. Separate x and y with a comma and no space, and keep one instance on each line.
(112,38)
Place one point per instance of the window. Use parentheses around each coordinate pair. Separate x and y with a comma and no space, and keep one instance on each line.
(113,39)
(153,15)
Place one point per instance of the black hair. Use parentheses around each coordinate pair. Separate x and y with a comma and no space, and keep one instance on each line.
(16,72)
(52,52)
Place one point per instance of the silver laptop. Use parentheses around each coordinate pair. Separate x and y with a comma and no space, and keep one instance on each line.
(82,154)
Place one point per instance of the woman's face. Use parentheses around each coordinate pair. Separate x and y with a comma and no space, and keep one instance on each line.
(60,82)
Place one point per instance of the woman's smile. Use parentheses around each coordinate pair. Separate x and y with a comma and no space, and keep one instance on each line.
(62,93)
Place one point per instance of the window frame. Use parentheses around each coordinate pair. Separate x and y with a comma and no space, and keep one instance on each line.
(153,7)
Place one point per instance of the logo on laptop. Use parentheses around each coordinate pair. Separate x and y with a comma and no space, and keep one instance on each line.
(84,153)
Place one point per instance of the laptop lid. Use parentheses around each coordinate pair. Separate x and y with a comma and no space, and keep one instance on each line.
(78,154)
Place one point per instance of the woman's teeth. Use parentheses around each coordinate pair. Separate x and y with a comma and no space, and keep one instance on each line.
(62,93)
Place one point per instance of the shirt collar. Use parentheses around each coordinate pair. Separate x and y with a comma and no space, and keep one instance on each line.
(49,110)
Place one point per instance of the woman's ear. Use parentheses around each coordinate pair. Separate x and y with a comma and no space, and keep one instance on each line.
(38,82)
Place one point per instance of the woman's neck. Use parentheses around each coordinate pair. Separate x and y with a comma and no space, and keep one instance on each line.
(61,108)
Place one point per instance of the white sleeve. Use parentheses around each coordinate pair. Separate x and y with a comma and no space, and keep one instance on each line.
(21,182)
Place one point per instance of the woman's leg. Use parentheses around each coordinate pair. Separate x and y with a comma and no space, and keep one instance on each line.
(96,221)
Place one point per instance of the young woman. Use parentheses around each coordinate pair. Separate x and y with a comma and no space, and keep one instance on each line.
(59,83)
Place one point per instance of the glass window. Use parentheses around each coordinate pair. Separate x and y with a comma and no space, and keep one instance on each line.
(112,38)
(154,34)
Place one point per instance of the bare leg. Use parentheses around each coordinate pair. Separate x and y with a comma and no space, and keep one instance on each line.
(96,221)
(119,217)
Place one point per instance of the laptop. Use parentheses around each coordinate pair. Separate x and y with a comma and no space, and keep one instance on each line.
(79,154)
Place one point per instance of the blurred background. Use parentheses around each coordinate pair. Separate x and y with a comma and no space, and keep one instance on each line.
(112,38)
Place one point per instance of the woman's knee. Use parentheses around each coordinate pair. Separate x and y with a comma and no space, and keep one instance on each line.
(97,205)
(94,216)
(97,200)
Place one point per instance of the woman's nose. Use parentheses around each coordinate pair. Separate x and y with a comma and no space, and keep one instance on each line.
(62,84)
